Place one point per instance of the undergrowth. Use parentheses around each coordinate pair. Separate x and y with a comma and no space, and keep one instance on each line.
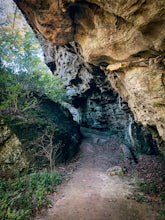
(147,188)
(150,189)
(22,196)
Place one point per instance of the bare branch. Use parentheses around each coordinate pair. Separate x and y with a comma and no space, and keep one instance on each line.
(46,147)
(32,104)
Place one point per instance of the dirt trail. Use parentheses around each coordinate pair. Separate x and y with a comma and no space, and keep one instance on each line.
(92,194)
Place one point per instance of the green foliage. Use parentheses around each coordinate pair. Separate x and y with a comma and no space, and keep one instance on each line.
(23,72)
(147,190)
(147,187)
(21,53)
(138,197)
(49,85)
(22,196)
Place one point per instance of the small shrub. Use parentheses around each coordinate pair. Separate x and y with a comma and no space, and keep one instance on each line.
(23,195)
(147,188)
(138,197)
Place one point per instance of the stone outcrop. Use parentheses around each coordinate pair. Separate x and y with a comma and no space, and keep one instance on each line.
(125,38)
(13,158)
(144,89)
(46,133)
(48,120)
(50,18)
(67,63)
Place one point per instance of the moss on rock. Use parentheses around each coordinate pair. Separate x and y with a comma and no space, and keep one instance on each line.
(13,158)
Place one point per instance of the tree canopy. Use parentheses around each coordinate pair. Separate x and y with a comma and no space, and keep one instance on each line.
(23,71)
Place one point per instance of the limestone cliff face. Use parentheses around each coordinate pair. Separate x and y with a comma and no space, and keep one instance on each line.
(125,38)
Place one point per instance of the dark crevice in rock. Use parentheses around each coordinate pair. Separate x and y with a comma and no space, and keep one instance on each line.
(99,105)
(78,102)
(76,81)
(52,66)
(103,109)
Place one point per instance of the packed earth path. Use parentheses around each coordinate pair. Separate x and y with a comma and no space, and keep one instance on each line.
(93,192)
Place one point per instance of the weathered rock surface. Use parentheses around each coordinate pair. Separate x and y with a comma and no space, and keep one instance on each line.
(102,108)
(13,158)
(67,63)
(50,18)
(125,38)
(144,89)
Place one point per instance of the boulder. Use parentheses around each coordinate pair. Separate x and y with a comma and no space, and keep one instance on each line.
(44,136)
(13,158)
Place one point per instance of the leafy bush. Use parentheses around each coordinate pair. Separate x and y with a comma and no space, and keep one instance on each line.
(147,190)
(147,187)
(22,196)
(23,71)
